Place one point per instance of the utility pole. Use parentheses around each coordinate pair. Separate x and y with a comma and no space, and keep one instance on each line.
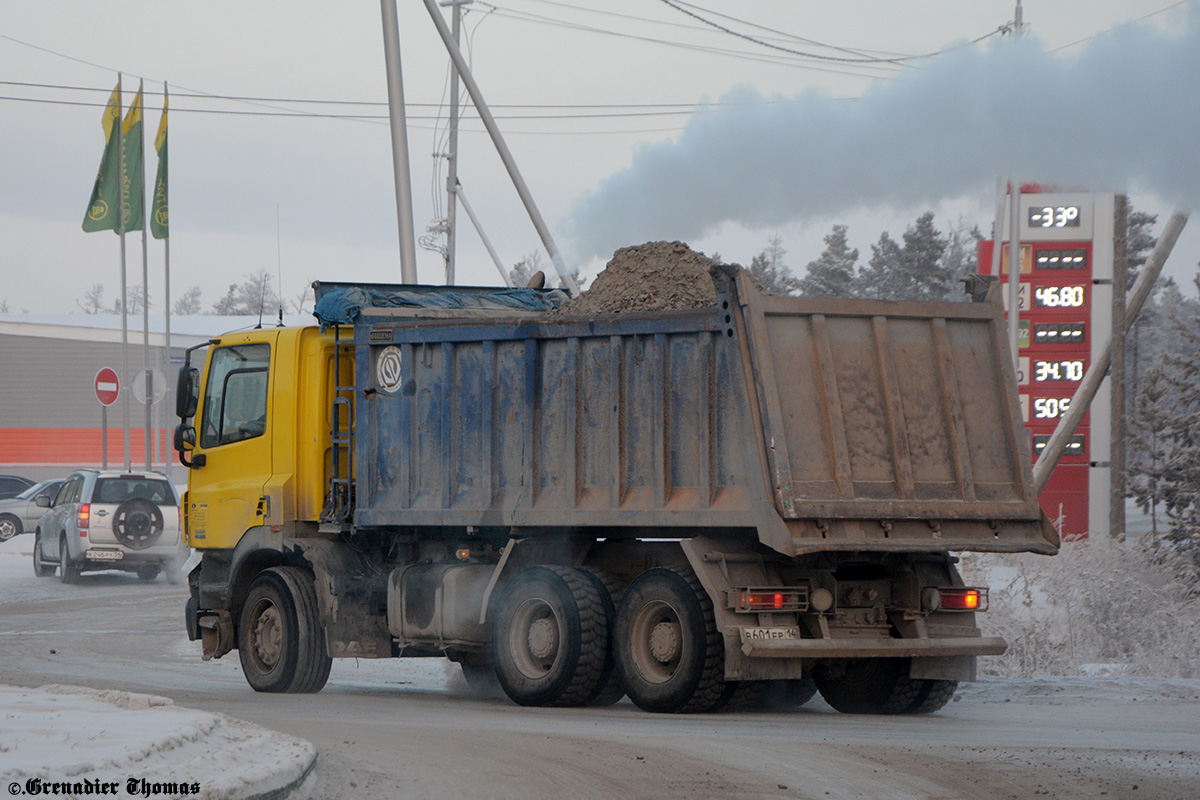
(510,164)
(452,155)
(1116,510)
(399,124)
(1018,21)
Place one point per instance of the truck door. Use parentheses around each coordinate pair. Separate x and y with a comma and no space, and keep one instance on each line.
(234,428)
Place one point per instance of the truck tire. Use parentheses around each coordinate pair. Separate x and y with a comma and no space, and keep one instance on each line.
(481,678)
(741,696)
(669,653)
(41,567)
(933,695)
(789,695)
(10,526)
(868,685)
(550,638)
(281,643)
(610,690)
(68,570)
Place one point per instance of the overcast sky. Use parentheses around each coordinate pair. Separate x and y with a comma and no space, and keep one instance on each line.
(638,121)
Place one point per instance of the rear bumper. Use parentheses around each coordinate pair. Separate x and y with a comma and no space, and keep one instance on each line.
(875,648)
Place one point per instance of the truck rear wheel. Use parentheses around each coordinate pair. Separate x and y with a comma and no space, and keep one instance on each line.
(610,689)
(789,694)
(868,685)
(668,651)
(280,641)
(550,639)
(934,695)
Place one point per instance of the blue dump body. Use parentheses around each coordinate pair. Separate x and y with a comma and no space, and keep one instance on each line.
(807,424)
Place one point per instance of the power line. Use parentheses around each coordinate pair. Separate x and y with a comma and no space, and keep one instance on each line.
(896,60)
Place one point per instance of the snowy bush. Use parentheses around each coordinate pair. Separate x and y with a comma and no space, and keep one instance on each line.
(1103,601)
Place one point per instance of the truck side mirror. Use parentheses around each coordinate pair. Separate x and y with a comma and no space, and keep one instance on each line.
(185,442)
(43,501)
(187,394)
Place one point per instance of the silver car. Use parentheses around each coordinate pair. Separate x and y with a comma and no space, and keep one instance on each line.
(110,520)
(21,513)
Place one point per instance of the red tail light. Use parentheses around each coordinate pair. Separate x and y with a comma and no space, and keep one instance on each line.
(964,599)
(782,599)
(81,520)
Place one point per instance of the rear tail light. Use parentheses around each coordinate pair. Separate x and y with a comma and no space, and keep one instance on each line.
(82,519)
(957,598)
(766,600)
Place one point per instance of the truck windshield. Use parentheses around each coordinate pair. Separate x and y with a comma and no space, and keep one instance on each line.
(235,395)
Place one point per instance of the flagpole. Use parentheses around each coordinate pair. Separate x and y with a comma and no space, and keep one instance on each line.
(125,405)
(166,279)
(149,396)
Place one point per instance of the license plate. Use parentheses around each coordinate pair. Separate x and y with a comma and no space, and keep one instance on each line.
(106,555)
(767,634)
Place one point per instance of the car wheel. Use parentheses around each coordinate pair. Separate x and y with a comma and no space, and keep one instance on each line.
(147,574)
(41,567)
(68,570)
(10,526)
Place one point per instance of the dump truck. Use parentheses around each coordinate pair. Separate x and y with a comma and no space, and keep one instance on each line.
(687,507)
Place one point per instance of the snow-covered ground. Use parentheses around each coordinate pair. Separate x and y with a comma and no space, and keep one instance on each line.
(408,727)
(91,741)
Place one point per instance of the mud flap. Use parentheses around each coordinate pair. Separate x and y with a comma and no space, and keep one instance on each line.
(216,634)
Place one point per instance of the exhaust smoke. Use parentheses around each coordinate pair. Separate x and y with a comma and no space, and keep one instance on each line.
(1119,112)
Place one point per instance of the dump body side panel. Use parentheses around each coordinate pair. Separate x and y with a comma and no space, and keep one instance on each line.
(634,421)
(811,424)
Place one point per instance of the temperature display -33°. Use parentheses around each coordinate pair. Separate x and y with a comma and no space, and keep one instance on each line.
(1058,296)
(1054,217)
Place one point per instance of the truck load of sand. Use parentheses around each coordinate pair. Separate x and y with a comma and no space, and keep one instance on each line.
(654,276)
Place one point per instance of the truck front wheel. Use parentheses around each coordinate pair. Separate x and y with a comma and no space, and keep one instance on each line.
(550,638)
(669,651)
(280,641)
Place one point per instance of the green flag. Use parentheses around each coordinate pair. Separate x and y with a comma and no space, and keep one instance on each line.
(132,134)
(102,208)
(159,227)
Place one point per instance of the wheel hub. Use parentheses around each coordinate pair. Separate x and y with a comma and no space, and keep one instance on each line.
(268,636)
(542,638)
(665,642)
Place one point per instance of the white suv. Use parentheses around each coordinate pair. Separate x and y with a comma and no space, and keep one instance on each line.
(110,520)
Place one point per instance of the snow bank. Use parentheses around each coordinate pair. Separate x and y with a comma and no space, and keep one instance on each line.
(66,734)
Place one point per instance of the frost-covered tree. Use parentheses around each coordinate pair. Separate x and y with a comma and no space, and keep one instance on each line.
(1179,484)
(135,297)
(879,279)
(92,301)
(523,271)
(913,270)
(253,296)
(961,258)
(772,274)
(832,273)
(1150,427)
(188,303)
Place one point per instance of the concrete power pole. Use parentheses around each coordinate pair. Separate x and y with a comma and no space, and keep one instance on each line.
(399,125)
(452,155)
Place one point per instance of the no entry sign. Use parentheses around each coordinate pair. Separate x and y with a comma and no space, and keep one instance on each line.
(107,386)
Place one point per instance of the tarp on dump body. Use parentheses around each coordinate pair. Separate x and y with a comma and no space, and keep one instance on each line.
(340,304)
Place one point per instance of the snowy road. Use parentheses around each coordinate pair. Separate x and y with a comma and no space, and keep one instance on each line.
(409,729)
